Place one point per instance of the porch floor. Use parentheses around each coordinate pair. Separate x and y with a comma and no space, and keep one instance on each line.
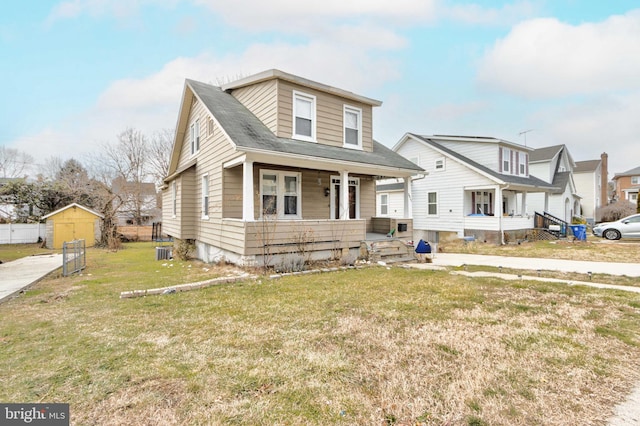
(372,236)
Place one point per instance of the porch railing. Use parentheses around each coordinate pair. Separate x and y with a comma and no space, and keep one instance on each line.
(551,224)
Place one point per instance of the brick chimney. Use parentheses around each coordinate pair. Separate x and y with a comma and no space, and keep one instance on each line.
(604,179)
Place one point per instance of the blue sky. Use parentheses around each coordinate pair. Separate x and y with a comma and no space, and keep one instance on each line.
(76,73)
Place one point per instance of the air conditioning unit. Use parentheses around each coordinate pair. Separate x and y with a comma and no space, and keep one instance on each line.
(164,253)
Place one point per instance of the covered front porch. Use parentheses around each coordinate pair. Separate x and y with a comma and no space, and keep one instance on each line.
(490,211)
(274,208)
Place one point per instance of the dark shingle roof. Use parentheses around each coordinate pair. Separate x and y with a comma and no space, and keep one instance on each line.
(560,181)
(390,186)
(544,154)
(586,166)
(248,133)
(516,180)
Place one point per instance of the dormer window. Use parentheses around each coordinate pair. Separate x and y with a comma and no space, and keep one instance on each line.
(352,127)
(523,160)
(506,160)
(304,117)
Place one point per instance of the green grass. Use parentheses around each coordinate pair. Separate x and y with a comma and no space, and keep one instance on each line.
(9,252)
(369,346)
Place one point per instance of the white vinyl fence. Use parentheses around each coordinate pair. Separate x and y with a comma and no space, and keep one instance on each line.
(21,233)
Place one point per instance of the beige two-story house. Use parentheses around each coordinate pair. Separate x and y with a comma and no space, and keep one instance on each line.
(274,164)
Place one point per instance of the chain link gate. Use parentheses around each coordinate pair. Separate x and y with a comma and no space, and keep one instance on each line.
(74,257)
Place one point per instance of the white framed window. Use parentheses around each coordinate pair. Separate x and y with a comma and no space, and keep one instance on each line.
(522,163)
(352,127)
(439,164)
(304,116)
(280,194)
(482,202)
(633,196)
(174,198)
(205,196)
(635,180)
(506,160)
(432,203)
(195,137)
(384,204)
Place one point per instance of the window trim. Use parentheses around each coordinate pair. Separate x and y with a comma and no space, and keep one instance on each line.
(522,163)
(430,204)
(312,100)
(280,193)
(435,164)
(506,161)
(386,204)
(205,197)
(352,181)
(195,137)
(358,113)
(635,180)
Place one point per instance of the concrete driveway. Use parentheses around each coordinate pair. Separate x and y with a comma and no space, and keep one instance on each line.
(20,273)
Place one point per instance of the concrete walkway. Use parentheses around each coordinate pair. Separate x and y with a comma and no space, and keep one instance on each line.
(20,273)
(609,268)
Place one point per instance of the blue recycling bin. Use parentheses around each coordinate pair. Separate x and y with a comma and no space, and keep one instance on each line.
(579,231)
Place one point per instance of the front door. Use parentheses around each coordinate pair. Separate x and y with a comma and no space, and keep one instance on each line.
(354,197)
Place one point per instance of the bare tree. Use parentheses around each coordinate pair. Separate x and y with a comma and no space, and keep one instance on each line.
(14,163)
(160,147)
(126,162)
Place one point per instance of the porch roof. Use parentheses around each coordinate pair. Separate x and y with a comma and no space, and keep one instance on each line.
(249,134)
(521,181)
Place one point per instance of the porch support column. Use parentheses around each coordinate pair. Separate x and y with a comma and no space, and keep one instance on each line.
(499,211)
(407,198)
(247,191)
(344,195)
(546,202)
(524,203)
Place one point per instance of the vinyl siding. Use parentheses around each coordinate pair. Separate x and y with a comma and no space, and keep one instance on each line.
(329,116)
(448,184)
(486,154)
(170,224)
(232,198)
(260,99)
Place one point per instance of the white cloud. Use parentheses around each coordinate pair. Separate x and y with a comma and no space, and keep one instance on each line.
(304,16)
(544,58)
(119,9)
(598,124)
(151,103)
(508,14)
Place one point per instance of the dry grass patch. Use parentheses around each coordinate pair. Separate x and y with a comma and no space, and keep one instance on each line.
(372,346)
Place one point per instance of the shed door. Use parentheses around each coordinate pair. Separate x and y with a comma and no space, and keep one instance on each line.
(62,232)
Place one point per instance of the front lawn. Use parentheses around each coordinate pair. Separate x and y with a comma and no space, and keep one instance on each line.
(371,346)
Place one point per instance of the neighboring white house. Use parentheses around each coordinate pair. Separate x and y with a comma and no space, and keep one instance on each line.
(472,186)
(555,165)
(390,198)
(591,179)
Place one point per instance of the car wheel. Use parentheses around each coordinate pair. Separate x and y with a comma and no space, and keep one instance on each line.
(611,234)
